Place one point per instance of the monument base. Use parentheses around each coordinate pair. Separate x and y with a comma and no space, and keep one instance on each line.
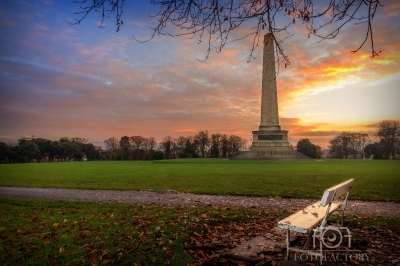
(271,145)
(289,154)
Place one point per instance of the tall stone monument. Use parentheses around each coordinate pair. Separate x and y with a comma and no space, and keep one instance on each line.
(269,142)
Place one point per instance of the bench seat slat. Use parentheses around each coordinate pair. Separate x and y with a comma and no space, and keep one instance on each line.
(305,220)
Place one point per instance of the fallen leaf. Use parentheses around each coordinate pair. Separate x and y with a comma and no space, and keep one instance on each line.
(304,211)
(61,249)
(287,222)
(253,255)
(56,224)
(197,234)
(315,214)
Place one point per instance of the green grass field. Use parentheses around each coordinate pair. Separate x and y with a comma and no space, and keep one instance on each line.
(374,180)
(35,232)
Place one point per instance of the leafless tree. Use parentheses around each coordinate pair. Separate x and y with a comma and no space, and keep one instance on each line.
(150,143)
(79,140)
(112,144)
(389,136)
(137,142)
(203,141)
(167,146)
(216,21)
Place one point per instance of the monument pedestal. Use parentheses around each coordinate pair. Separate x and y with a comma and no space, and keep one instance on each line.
(270,145)
(271,140)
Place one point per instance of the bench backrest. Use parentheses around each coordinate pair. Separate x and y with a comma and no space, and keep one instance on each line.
(335,192)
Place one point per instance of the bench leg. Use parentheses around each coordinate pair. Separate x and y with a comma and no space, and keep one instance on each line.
(287,244)
(342,217)
(307,244)
(320,250)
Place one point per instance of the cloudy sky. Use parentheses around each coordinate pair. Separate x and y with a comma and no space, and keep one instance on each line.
(59,80)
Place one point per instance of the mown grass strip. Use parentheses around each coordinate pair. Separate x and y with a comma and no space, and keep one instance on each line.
(374,180)
(34,232)
(68,233)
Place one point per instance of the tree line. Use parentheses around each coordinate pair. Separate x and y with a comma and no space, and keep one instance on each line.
(385,144)
(39,149)
(201,145)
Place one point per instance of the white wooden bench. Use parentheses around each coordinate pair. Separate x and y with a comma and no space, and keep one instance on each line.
(313,218)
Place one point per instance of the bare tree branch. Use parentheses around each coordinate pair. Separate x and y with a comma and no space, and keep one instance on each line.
(217,22)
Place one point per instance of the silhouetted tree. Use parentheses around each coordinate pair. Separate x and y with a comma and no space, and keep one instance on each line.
(5,153)
(112,144)
(215,145)
(202,140)
(225,145)
(28,150)
(125,147)
(374,151)
(306,147)
(389,137)
(166,145)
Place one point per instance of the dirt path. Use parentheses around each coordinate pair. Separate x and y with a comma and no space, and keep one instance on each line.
(172,198)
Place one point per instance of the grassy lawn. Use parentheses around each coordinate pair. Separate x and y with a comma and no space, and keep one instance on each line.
(374,180)
(34,232)
(83,233)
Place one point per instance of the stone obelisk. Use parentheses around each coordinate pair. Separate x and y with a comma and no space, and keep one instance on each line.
(269,99)
(269,142)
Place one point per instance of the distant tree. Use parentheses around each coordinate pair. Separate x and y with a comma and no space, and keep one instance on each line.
(215,145)
(149,145)
(359,140)
(191,147)
(72,150)
(166,145)
(125,147)
(137,142)
(45,147)
(29,150)
(157,155)
(112,144)
(79,140)
(306,147)
(5,152)
(180,146)
(389,136)
(348,144)
(236,144)
(340,145)
(203,141)
(374,151)
(225,145)
(90,152)
(336,148)
(138,147)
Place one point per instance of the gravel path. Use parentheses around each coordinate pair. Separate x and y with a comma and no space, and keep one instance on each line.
(172,198)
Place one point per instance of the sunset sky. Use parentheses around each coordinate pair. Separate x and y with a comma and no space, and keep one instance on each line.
(59,80)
